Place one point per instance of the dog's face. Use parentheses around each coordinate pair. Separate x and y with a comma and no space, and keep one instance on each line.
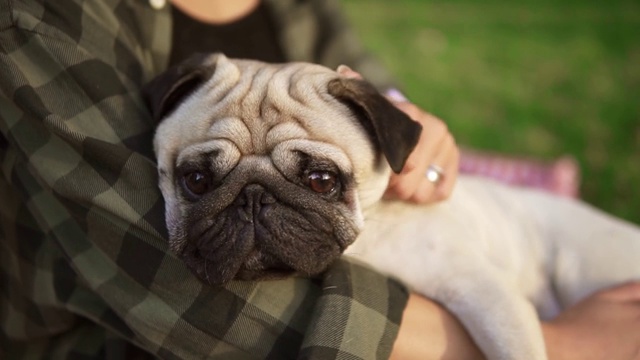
(265,169)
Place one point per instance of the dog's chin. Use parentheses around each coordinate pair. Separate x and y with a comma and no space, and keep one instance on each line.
(269,274)
(253,267)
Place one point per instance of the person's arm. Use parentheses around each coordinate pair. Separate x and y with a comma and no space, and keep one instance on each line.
(429,332)
(84,252)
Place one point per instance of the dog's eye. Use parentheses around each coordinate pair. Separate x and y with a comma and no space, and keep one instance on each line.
(197,182)
(322,182)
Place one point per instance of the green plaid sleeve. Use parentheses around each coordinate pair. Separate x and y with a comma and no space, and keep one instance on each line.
(84,267)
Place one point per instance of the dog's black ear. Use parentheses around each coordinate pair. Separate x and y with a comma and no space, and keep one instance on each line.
(164,92)
(393,132)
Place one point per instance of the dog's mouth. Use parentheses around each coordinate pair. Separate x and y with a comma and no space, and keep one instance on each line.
(257,265)
(218,261)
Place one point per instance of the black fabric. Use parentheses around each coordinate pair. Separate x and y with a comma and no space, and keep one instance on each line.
(260,40)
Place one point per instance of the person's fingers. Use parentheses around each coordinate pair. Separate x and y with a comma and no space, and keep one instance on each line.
(439,150)
(412,181)
(436,147)
(413,184)
(406,187)
(426,190)
(450,158)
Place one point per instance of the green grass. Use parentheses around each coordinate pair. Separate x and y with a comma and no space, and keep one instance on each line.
(530,78)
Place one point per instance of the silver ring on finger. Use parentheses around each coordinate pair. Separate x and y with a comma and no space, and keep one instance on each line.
(434,174)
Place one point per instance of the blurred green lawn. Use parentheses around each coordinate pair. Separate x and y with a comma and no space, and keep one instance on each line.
(531,78)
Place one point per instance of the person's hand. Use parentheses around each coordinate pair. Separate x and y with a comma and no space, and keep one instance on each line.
(605,325)
(436,151)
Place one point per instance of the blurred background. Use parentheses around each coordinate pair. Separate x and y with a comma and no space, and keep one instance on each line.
(531,78)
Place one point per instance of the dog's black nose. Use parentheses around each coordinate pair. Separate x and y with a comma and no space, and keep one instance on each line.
(252,200)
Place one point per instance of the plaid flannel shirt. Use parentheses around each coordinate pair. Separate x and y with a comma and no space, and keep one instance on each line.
(84,267)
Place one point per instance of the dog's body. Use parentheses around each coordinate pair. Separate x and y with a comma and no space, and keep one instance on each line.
(269,170)
(494,255)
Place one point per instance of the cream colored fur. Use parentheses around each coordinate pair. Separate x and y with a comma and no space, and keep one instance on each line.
(497,257)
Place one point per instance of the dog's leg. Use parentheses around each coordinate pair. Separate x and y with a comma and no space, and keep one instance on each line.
(591,250)
(586,249)
(500,320)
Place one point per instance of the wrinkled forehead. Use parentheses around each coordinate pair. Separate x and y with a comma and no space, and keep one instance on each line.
(251,89)
(257,105)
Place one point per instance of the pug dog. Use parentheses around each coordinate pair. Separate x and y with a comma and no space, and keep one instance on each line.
(269,170)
